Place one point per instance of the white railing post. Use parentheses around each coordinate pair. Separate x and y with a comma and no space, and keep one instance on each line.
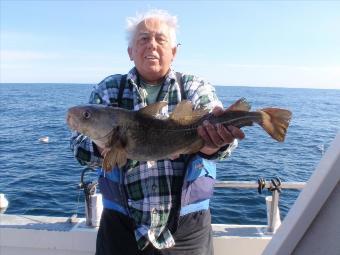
(273,212)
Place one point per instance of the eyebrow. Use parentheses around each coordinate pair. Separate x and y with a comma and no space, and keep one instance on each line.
(148,33)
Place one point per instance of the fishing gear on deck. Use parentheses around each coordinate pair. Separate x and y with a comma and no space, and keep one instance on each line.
(93,200)
(275,184)
(89,187)
(262,184)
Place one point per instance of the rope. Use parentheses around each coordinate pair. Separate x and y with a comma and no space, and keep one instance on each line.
(77,205)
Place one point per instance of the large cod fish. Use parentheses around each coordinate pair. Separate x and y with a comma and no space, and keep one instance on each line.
(144,135)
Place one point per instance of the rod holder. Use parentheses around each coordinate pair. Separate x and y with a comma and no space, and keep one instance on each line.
(93,209)
(93,201)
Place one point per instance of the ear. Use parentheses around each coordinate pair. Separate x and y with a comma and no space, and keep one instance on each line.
(130,53)
(174,52)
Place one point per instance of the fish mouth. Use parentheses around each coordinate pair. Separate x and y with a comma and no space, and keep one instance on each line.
(71,118)
(71,122)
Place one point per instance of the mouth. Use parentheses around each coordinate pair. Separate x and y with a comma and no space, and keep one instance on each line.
(151,57)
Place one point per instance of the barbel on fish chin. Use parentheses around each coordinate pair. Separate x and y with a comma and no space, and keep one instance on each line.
(141,135)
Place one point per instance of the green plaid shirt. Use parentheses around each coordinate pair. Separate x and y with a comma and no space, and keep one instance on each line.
(152,188)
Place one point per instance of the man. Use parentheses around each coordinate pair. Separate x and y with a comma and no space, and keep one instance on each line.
(157,207)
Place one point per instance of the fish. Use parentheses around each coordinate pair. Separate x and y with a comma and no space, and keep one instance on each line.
(146,135)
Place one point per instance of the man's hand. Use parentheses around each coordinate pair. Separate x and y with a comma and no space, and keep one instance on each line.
(217,136)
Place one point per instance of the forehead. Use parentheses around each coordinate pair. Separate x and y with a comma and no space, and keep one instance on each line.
(152,25)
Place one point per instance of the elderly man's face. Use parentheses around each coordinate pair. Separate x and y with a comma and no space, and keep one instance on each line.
(151,50)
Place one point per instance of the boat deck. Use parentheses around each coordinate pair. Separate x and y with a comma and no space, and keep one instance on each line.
(60,235)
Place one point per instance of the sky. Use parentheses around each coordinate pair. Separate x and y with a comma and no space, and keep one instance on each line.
(236,43)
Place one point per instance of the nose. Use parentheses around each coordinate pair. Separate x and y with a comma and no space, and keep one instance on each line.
(152,43)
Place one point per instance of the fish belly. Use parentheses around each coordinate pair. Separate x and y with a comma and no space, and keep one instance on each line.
(155,144)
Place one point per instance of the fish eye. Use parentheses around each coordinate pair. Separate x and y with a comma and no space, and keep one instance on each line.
(86,115)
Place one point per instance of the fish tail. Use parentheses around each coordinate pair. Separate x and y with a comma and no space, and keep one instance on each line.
(275,122)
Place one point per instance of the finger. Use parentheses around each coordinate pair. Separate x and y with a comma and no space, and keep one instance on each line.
(213,134)
(236,132)
(202,132)
(225,134)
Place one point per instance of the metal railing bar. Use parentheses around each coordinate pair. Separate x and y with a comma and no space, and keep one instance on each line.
(255,185)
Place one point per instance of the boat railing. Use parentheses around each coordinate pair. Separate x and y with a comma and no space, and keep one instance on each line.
(272,202)
(93,204)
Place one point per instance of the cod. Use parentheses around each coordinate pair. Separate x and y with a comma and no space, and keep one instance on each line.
(145,134)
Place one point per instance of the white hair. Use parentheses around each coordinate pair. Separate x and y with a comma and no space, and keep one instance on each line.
(171,21)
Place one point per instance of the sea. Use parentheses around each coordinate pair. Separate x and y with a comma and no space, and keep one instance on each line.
(42,178)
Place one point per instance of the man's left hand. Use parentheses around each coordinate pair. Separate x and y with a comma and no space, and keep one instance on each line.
(217,136)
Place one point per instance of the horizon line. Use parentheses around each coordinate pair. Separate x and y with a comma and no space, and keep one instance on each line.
(215,85)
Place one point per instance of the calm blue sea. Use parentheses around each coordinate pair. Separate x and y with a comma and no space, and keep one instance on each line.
(42,178)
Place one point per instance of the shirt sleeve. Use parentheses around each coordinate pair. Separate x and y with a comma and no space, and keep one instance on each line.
(203,95)
(85,151)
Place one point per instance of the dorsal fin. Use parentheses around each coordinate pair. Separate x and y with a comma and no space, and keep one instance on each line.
(182,109)
(240,105)
(153,109)
(184,114)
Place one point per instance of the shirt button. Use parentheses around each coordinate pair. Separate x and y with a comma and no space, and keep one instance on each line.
(154,210)
(154,186)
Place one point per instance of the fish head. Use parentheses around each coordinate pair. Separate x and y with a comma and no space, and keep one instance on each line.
(94,121)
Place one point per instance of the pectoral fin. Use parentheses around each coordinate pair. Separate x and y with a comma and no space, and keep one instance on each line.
(115,157)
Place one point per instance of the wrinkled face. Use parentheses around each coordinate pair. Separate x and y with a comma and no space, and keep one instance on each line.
(91,120)
(151,50)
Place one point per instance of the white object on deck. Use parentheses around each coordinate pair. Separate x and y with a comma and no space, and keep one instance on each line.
(312,225)
(3,202)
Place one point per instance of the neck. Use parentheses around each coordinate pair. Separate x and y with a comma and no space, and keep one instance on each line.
(153,80)
(146,83)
